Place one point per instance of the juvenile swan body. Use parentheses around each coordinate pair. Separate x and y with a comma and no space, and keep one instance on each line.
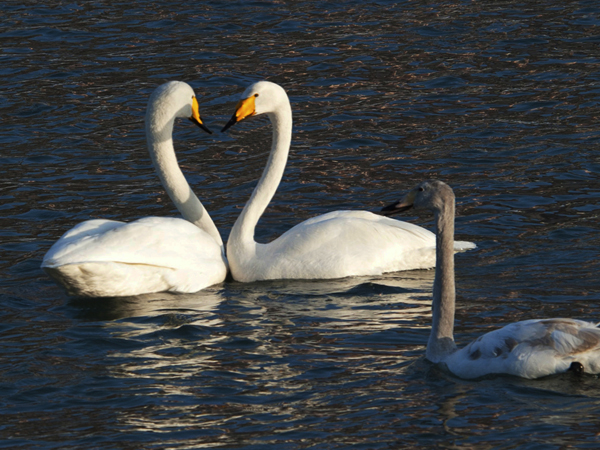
(106,258)
(333,245)
(528,349)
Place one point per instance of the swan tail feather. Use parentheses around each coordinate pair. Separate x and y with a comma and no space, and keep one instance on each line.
(463,246)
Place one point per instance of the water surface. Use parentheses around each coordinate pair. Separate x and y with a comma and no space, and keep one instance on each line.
(498,99)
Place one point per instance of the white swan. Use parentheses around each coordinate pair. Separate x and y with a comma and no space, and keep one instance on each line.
(529,349)
(333,245)
(106,258)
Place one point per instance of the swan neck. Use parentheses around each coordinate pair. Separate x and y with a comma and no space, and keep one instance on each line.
(441,340)
(244,228)
(159,132)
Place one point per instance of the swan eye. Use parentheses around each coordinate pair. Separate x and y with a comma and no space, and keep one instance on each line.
(256,95)
(421,189)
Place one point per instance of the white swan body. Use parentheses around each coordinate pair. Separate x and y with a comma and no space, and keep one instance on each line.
(337,245)
(106,258)
(528,349)
(334,245)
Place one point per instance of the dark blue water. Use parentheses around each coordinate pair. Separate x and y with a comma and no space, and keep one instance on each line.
(499,99)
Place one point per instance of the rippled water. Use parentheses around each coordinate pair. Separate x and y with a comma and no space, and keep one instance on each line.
(499,99)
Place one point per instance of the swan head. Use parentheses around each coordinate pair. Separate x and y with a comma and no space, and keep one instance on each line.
(175,99)
(262,97)
(433,195)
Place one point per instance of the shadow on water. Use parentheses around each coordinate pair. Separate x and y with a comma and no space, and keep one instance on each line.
(313,294)
(149,305)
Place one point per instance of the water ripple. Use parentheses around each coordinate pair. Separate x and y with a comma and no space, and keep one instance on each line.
(500,100)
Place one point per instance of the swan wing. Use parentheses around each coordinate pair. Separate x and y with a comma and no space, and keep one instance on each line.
(344,243)
(530,349)
(419,233)
(158,241)
(348,243)
(367,217)
(103,258)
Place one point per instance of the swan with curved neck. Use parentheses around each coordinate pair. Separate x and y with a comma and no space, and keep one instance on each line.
(528,349)
(334,245)
(107,258)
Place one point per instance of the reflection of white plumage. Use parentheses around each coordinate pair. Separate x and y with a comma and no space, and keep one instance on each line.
(105,258)
(529,349)
(334,245)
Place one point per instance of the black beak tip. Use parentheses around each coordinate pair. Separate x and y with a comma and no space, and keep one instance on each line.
(387,210)
(229,124)
(200,125)
(394,208)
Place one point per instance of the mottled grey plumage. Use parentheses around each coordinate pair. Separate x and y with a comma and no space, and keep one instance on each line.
(529,349)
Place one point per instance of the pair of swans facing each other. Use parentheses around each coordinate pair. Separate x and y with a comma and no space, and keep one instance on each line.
(529,349)
(105,258)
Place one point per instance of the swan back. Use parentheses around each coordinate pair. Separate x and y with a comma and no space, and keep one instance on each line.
(530,349)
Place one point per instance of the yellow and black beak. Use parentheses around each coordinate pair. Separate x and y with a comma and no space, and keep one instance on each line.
(403,205)
(196,116)
(244,108)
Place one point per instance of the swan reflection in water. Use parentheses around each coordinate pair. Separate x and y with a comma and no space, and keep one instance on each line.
(147,306)
(220,354)
(362,303)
